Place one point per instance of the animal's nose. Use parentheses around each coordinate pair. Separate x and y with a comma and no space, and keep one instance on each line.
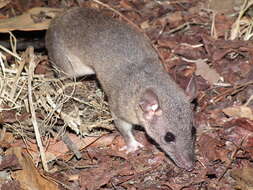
(190,166)
(186,162)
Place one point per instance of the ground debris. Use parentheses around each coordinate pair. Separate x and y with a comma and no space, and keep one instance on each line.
(207,39)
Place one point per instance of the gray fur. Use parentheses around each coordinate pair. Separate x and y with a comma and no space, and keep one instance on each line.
(83,41)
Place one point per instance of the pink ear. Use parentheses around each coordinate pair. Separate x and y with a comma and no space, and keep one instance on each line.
(191,89)
(150,105)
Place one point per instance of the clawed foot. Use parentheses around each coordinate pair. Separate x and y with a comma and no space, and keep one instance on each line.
(131,147)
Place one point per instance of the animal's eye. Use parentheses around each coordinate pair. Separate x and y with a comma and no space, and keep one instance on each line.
(193,131)
(169,137)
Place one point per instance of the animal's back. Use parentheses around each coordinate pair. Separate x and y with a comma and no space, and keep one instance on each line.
(88,37)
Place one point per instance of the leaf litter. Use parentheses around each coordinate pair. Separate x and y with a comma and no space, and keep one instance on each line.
(193,39)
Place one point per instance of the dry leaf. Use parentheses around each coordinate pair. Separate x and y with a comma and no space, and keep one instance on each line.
(144,25)
(224,5)
(215,149)
(206,72)
(244,178)
(34,19)
(3,3)
(29,177)
(57,149)
(239,111)
(240,132)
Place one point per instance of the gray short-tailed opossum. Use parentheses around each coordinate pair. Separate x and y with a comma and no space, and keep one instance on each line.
(83,41)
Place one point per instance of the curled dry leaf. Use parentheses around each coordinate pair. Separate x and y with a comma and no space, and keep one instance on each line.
(239,111)
(206,72)
(3,3)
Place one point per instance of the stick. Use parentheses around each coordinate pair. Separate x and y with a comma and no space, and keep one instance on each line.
(30,98)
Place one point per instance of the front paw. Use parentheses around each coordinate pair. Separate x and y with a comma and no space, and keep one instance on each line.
(131,146)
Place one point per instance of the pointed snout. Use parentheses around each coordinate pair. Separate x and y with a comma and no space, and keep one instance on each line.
(189,166)
(186,162)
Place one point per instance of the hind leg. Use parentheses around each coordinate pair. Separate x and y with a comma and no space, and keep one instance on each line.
(68,64)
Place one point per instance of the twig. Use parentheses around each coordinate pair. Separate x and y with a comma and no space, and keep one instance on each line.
(11,53)
(30,98)
(185,25)
(249,100)
(232,158)
(13,42)
(71,146)
(213,28)
(230,91)
(20,68)
(2,81)
(2,63)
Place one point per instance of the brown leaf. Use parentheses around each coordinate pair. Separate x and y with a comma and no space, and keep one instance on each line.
(224,5)
(33,19)
(189,51)
(8,116)
(175,19)
(240,132)
(29,177)
(239,111)
(243,177)
(11,184)
(10,161)
(241,123)
(167,43)
(204,70)
(210,148)
(59,149)
(96,177)
(3,3)
(42,68)
(127,4)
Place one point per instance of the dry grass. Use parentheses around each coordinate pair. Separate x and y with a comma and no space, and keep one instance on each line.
(59,103)
(243,26)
